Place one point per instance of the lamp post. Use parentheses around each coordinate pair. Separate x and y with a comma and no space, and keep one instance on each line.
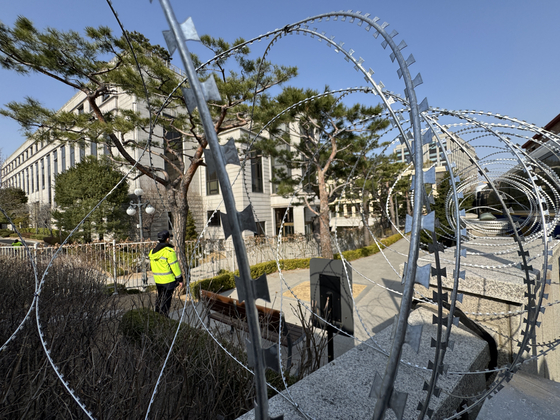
(397,210)
(131,211)
(396,194)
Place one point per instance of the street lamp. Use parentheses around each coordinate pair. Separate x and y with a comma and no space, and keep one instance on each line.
(131,211)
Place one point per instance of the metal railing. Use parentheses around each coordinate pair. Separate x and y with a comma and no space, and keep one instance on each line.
(122,262)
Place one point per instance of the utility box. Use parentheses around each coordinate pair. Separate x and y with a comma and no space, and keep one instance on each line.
(331,298)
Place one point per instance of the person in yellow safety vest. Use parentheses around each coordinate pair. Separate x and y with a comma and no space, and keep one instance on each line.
(166,270)
(17,242)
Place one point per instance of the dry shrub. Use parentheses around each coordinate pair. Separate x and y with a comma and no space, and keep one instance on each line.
(112,355)
(113,375)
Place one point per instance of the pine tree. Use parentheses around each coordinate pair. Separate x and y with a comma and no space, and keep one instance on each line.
(80,188)
(14,202)
(190,232)
(322,140)
(81,63)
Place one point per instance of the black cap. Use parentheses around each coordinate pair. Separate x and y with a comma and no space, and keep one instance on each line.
(163,235)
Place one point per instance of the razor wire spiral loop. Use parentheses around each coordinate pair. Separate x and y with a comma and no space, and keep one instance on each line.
(541,204)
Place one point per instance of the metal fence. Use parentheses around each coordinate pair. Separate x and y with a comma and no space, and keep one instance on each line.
(127,264)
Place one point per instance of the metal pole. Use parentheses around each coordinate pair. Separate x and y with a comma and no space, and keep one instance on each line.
(115,266)
(261,408)
(142,261)
(140,217)
(397,210)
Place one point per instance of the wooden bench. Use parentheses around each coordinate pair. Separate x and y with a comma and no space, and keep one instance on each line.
(232,312)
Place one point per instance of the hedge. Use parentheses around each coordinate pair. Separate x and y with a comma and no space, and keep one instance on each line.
(225,279)
(368,250)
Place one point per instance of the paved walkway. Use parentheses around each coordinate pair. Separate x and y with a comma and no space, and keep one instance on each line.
(375,305)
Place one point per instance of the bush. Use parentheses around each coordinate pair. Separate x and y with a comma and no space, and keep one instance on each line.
(5,233)
(138,322)
(110,289)
(368,250)
(215,284)
(73,312)
(111,361)
(201,374)
(225,279)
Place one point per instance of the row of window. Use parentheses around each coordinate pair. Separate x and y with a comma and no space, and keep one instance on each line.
(35,177)
(24,156)
(433,152)
(28,179)
(257,179)
(35,147)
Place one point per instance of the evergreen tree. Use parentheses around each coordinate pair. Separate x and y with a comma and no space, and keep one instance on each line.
(80,188)
(99,63)
(322,139)
(190,232)
(14,202)
(375,175)
(445,233)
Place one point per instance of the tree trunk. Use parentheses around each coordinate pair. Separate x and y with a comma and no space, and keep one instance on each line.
(392,212)
(179,211)
(365,213)
(324,218)
(408,205)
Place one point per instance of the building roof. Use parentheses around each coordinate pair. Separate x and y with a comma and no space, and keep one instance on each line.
(553,126)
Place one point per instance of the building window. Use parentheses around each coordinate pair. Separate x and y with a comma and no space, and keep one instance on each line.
(256,171)
(407,156)
(216,220)
(93,149)
(37,176)
(81,109)
(212,185)
(27,190)
(82,152)
(72,156)
(63,159)
(261,229)
(42,174)
(55,163)
(31,176)
(49,179)
(284,219)
(105,96)
(433,152)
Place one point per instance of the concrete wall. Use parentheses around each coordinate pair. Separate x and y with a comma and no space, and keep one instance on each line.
(548,366)
(495,298)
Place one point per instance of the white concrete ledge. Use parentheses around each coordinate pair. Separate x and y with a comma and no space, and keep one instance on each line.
(340,390)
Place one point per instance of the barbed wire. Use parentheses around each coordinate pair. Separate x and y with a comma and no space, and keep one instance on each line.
(541,204)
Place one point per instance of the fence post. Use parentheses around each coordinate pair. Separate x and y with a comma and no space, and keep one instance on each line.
(115,266)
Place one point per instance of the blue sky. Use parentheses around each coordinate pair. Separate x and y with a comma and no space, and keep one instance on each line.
(497,56)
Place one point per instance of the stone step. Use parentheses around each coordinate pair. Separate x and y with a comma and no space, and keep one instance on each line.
(525,397)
